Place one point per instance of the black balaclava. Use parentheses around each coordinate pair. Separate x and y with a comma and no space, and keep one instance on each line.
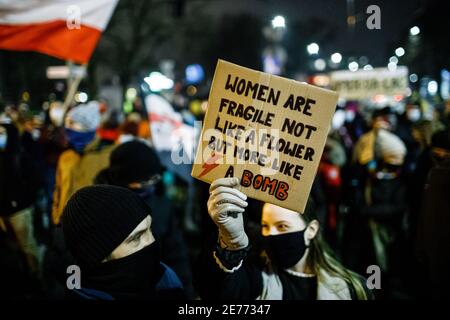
(95,221)
(131,277)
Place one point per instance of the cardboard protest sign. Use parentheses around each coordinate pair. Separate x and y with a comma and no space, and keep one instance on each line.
(365,84)
(266,130)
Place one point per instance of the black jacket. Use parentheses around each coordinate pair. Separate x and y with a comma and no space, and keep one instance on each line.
(168,287)
(388,200)
(167,230)
(17,177)
(247,282)
(433,231)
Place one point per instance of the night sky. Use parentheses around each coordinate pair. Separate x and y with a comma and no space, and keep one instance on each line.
(396,19)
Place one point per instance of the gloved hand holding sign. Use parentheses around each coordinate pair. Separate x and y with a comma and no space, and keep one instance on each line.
(226,205)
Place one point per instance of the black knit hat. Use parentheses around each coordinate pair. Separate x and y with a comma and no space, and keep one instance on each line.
(133,161)
(97,219)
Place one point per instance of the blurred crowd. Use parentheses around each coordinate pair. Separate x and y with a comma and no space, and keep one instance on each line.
(380,194)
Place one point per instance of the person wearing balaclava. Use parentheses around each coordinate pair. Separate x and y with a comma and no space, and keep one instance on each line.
(136,166)
(108,231)
(81,124)
(297,263)
(86,156)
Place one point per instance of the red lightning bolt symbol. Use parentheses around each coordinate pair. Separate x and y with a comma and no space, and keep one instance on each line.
(210,163)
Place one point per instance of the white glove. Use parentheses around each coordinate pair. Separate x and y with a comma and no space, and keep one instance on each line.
(226,205)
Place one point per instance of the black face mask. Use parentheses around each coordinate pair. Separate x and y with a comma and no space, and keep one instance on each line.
(285,250)
(133,276)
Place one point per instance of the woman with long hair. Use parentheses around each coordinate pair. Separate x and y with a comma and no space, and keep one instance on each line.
(295,264)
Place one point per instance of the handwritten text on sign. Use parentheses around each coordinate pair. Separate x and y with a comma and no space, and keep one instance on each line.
(267,130)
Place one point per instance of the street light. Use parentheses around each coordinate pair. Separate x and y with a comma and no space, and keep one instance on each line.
(363,60)
(399,52)
(367,67)
(312,48)
(393,59)
(81,97)
(414,31)
(278,22)
(432,87)
(336,57)
(353,66)
(392,66)
(413,77)
(131,94)
(320,64)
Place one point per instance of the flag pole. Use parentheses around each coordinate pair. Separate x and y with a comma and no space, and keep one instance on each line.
(72,83)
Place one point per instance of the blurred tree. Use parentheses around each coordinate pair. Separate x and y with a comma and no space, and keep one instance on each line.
(428,52)
(302,32)
(239,40)
(178,8)
(136,29)
(25,71)
(191,36)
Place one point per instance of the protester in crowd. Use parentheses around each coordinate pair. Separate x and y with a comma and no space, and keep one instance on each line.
(53,140)
(439,116)
(446,113)
(297,264)
(136,166)
(433,236)
(31,142)
(17,194)
(437,151)
(134,128)
(85,157)
(354,122)
(404,131)
(11,113)
(334,152)
(422,134)
(380,199)
(140,116)
(108,132)
(108,230)
(415,180)
(329,173)
(339,132)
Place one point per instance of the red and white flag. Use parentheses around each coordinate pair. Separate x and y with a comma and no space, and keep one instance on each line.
(66,29)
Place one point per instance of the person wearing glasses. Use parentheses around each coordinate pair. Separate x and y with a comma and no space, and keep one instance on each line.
(136,166)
